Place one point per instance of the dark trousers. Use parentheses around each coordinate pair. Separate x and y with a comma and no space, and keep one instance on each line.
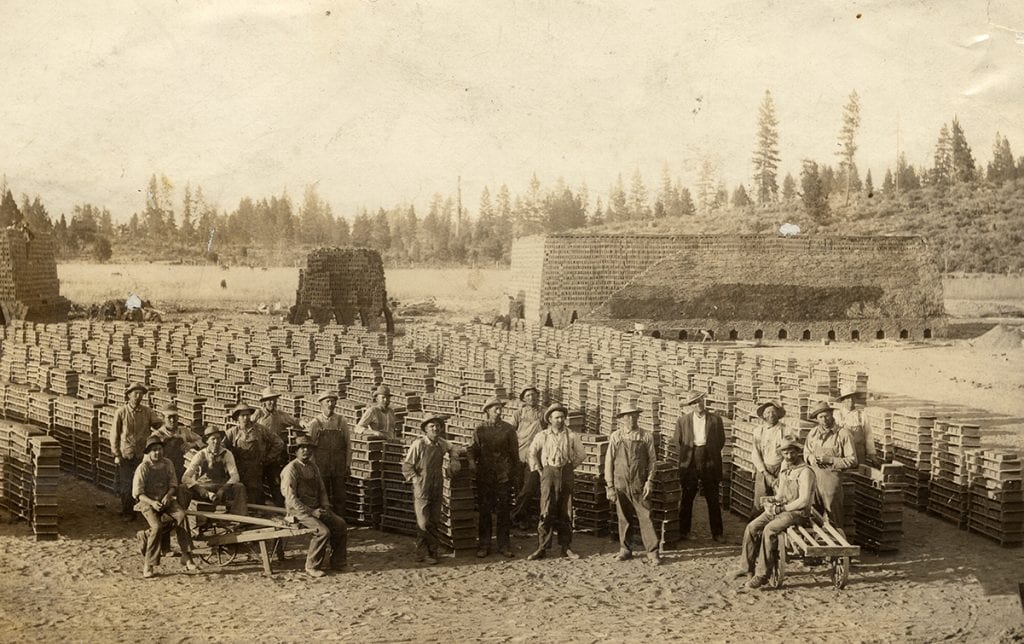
(250,473)
(428,518)
(125,474)
(528,491)
(233,493)
(828,496)
(493,498)
(272,481)
(555,504)
(627,505)
(172,518)
(708,483)
(335,484)
(329,528)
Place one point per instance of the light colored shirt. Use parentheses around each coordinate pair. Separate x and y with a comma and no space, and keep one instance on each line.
(423,466)
(700,430)
(276,421)
(631,460)
(766,447)
(206,467)
(154,479)
(527,421)
(380,420)
(835,446)
(556,449)
(303,488)
(131,429)
(854,421)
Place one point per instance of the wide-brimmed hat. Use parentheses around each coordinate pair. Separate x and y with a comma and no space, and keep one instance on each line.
(241,408)
(170,410)
(628,409)
(212,430)
(846,393)
(382,390)
(820,408)
(135,386)
(522,394)
(693,396)
(269,394)
(552,408)
(304,441)
(439,420)
(771,403)
(151,441)
(493,401)
(790,443)
(327,395)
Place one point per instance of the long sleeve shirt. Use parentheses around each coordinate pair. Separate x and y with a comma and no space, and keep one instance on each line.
(424,467)
(631,460)
(154,479)
(207,467)
(766,447)
(556,449)
(527,421)
(303,488)
(332,454)
(131,429)
(380,420)
(255,443)
(276,421)
(854,422)
(834,445)
(494,452)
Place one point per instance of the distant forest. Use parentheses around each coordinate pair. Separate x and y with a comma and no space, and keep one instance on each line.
(972,212)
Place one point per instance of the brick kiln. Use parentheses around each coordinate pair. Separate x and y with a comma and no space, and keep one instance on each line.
(342,285)
(29,288)
(740,287)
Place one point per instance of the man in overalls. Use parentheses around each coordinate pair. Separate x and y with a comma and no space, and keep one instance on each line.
(423,466)
(851,419)
(133,423)
(213,476)
(329,432)
(277,422)
(379,418)
(829,451)
(765,454)
(554,454)
(253,446)
(629,469)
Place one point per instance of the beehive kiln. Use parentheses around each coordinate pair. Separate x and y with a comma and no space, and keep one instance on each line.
(29,288)
(740,287)
(342,285)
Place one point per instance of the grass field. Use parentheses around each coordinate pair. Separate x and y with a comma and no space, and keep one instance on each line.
(460,290)
(995,288)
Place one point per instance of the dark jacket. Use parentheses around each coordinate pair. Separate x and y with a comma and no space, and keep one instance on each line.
(683,440)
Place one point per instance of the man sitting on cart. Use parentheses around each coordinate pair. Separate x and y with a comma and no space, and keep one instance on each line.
(213,476)
(790,506)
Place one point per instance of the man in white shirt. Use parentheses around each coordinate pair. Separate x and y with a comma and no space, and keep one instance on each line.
(699,438)
(555,453)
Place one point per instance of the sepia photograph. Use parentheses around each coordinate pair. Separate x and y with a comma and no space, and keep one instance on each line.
(512,321)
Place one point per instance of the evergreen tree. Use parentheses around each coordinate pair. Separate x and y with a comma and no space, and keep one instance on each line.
(1002,167)
(706,185)
(342,232)
(869,185)
(362,230)
(721,196)
(963,168)
(668,196)
(906,178)
(187,230)
(814,192)
(380,232)
(686,207)
(9,212)
(740,198)
(942,167)
(887,184)
(617,205)
(848,141)
(503,224)
(638,208)
(766,151)
(789,187)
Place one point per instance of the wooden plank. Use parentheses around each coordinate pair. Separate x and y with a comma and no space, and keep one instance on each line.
(247,536)
(265,556)
(825,537)
(808,537)
(840,539)
(794,536)
(269,509)
(238,518)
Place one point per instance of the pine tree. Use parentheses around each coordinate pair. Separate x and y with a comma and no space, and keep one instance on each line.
(887,184)
(814,192)
(963,167)
(740,198)
(380,232)
(766,151)
(706,185)
(721,196)
(686,207)
(942,167)
(869,185)
(638,208)
(668,196)
(362,230)
(619,210)
(187,230)
(789,187)
(1001,167)
(848,141)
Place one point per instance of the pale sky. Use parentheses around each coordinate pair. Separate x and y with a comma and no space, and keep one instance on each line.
(385,102)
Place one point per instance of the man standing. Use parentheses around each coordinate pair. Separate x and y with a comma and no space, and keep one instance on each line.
(629,469)
(132,425)
(554,454)
(791,505)
(379,418)
(700,437)
(494,456)
(851,419)
(424,467)
(305,498)
(213,476)
(829,451)
(253,446)
(178,439)
(329,432)
(278,423)
(527,421)
(765,454)
(155,486)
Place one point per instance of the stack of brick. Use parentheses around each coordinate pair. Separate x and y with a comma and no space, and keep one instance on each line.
(29,475)
(458,507)
(398,514)
(364,499)
(741,493)
(878,507)
(949,486)
(589,497)
(912,446)
(997,497)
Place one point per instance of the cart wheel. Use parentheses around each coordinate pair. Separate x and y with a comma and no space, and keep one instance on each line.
(840,572)
(220,555)
(779,572)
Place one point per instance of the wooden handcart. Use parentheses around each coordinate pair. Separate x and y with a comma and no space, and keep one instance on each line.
(221,539)
(816,543)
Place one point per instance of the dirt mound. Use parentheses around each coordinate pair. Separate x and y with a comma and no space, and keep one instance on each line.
(999,337)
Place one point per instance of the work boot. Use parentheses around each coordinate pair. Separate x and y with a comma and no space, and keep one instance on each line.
(339,565)
(535,555)
(430,560)
(483,551)
(654,558)
(624,555)
(570,553)
(148,573)
(315,573)
(718,538)
(757,582)
(189,563)
(507,552)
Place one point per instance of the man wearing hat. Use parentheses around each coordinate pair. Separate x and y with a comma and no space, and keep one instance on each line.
(305,498)
(699,439)
(423,466)
(133,424)
(527,421)
(277,422)
(494,456)
(178,439)
(829,451)
(211,475)
(554,455)
(791,505)
(629,468)
(155,488)
(765,455)
(379,418)
(330,433)
(851,419)
(253,446)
